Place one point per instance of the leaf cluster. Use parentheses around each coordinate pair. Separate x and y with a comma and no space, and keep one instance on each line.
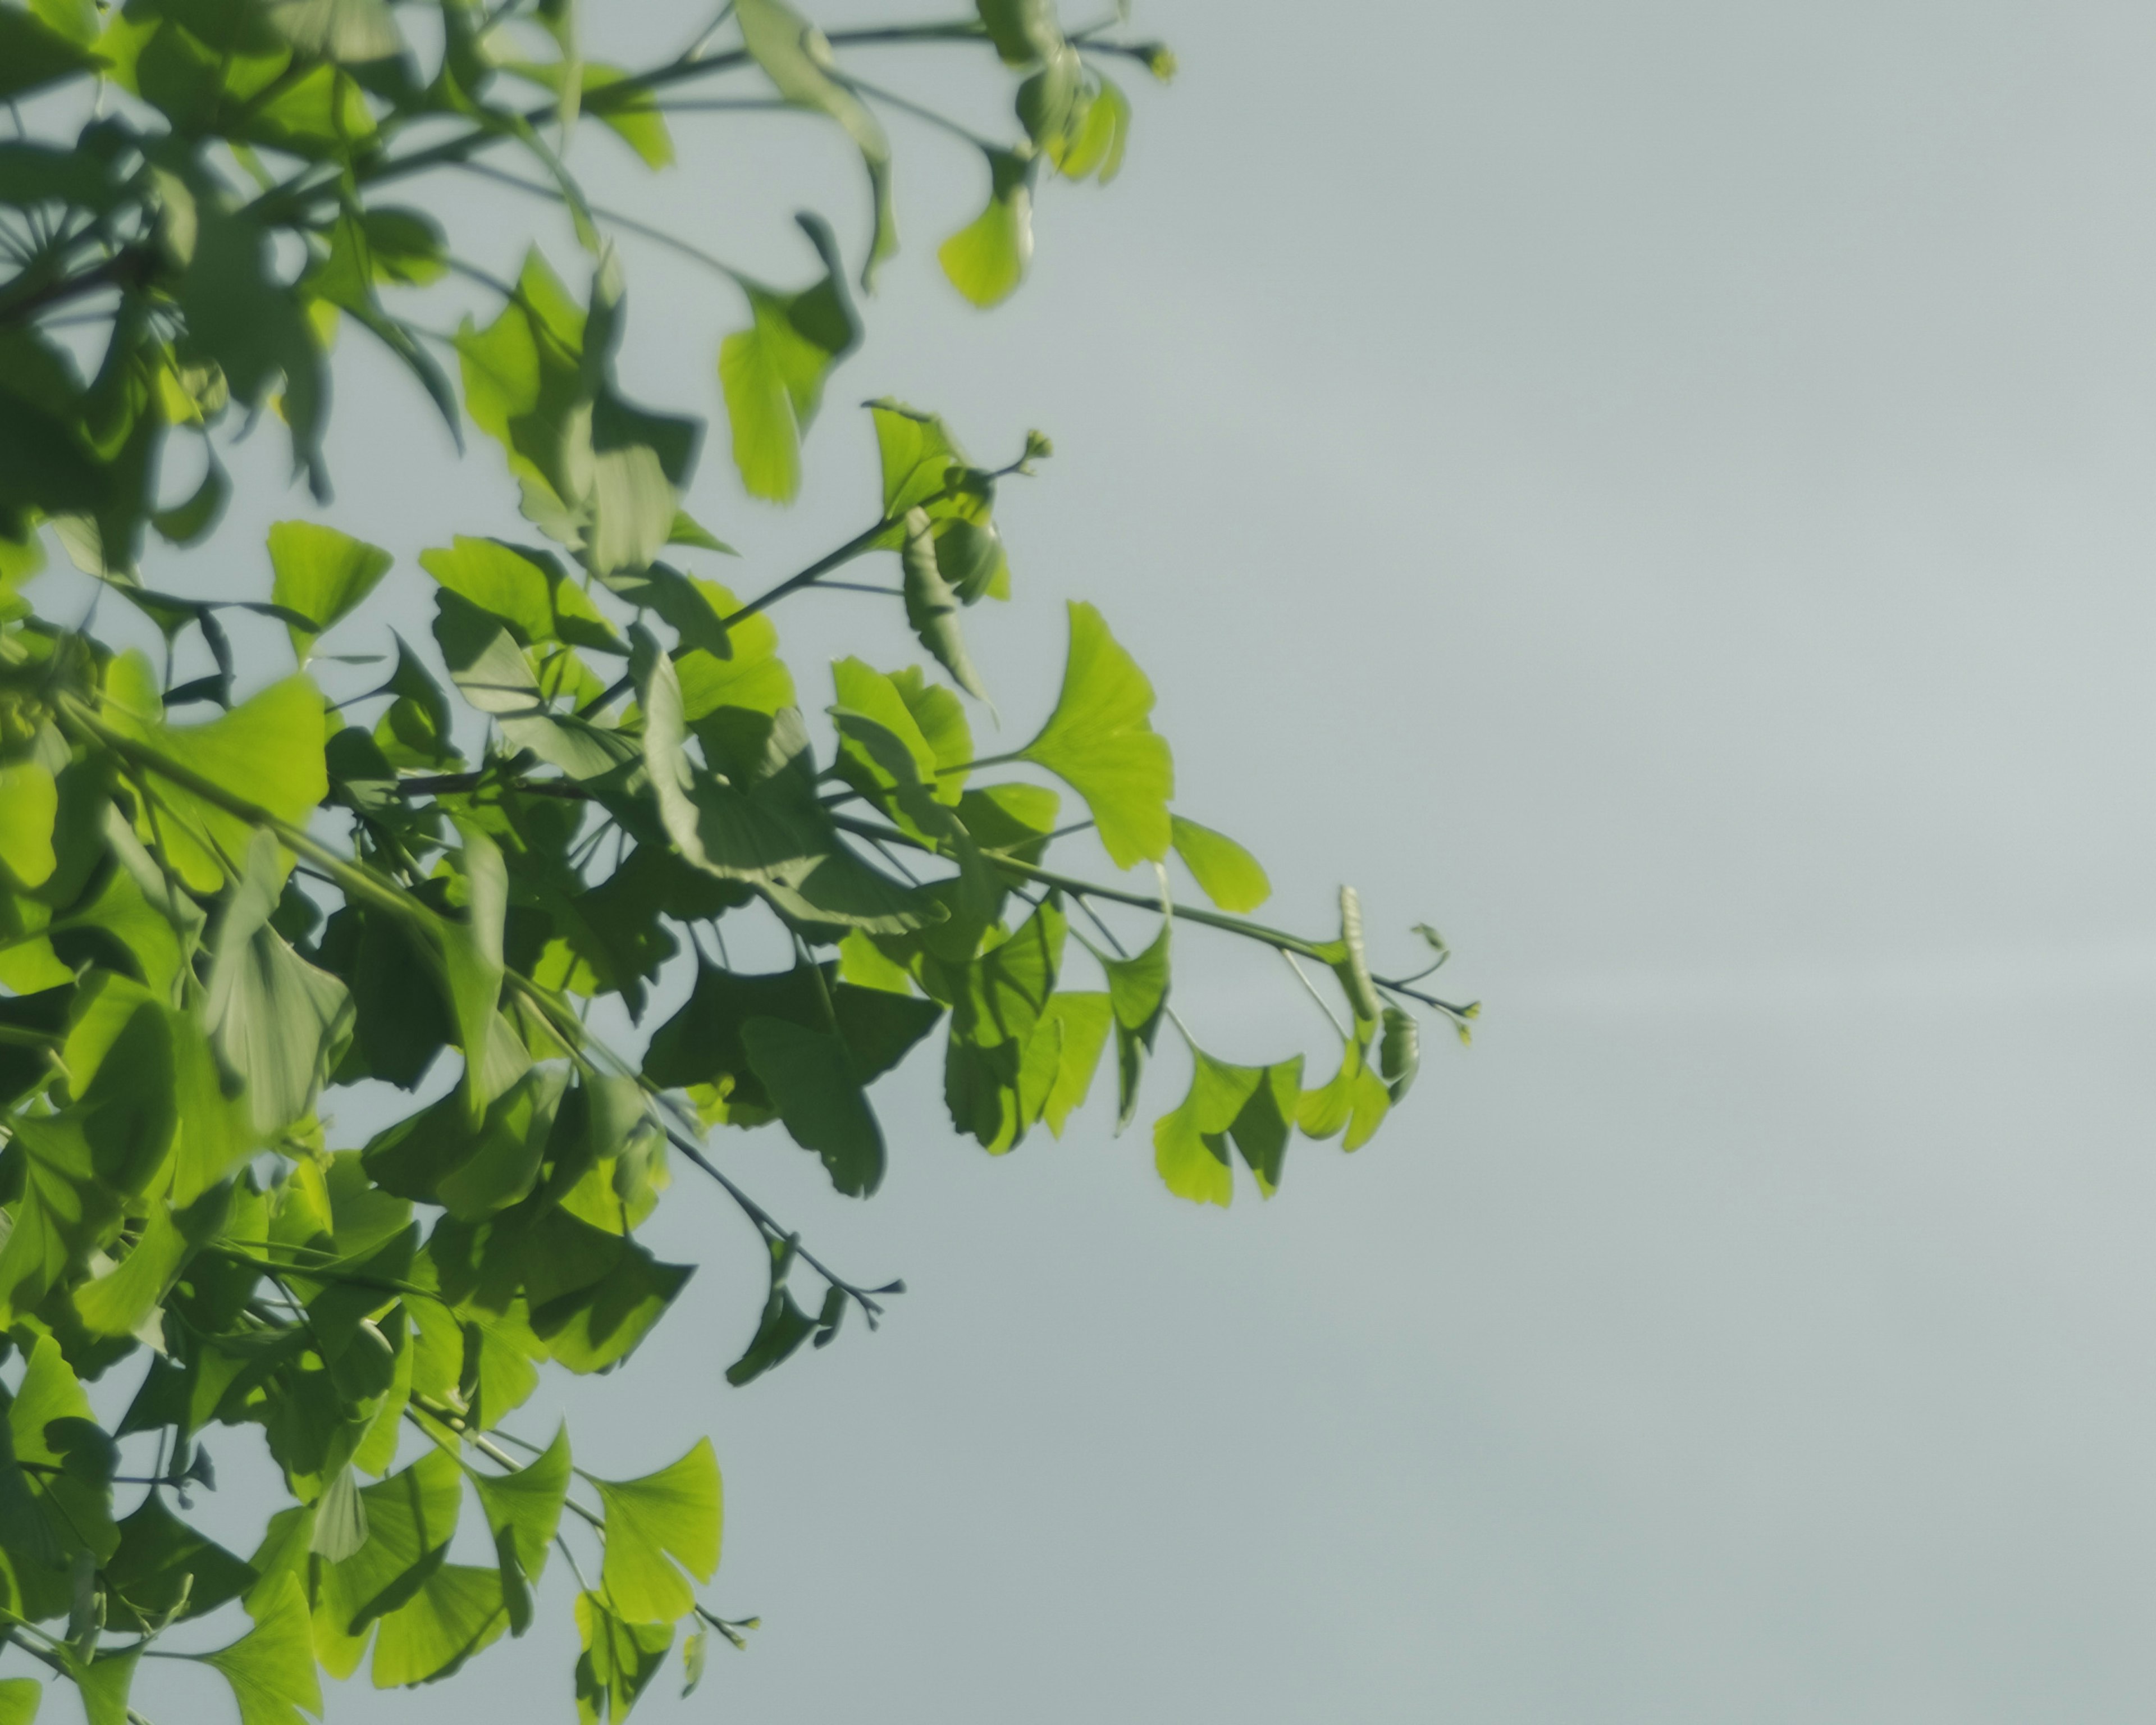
(224,898)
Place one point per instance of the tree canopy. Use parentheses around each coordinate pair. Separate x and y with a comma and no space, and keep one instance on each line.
(225,895)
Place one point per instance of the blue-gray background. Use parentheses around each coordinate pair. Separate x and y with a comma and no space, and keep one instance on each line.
(1661,490)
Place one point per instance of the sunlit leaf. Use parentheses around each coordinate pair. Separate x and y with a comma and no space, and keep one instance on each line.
(271,1668)
(1101,741)
(796,59)
(1229,874)
(653,1522)
(618,1662)
(772,372)
(322,574)
(986,260)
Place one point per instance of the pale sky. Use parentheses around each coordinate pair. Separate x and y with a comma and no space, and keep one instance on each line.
(1661,492)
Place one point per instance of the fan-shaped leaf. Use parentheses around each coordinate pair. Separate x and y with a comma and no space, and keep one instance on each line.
(673,1514)
(322,575)
(1229,874)
(772,372)
(1101,741)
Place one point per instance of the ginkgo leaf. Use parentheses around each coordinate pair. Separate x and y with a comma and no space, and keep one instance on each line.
(29,800)
(1399,1052)
(986,258)
(772,373)
(1252,1106)
(527,1505)
(271,1668)
(1082,1022)
(273,1016)
(1137,993)
(795,56)
(471,953)
(322,575)
(457,1612)
(1099,740)
(932,605)
(19,1697)
(652,1522)
(618,1662)
(1229,874)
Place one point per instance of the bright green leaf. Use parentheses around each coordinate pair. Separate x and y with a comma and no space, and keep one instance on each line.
(1099,740)
(772,373)
(672,1515)
(986,260)
(322,574)
(1229,874)
(271,1668)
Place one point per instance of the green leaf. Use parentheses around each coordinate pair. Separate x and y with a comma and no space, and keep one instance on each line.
(29,802)
(1024,31)
(1229,874)
(1355,1099)
(1082,1022)
(764,824)
(348,31)
(1097,133)
(599,1326)
(271,1668)
(932,605)
(322,574)
(471,953)
(457,1612)
(527,590)
(409,1519)
(772,373)
(32,55)
(1138,991)
(1251,1106)
(273,1017)
(50,1421)
(523,1510)
(162,1565)
(783,1327)
(986,258)
(810,1081)
(103,1686)
(672,1515)
(19,1697)
(618,1662)
(1101,741)
(796,59)
(1399,1054)
(266,753)
(240,315)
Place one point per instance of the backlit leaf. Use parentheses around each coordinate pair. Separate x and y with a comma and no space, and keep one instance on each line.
(322,574)
(1229,874)
(652,1522)
(1101,741)
(772,372)
(271,1668)
(986,258)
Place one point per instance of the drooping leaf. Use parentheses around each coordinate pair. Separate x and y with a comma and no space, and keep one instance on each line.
(795,56)
(932,605)
(523,1509)
(1137,992)
(807,1075)
(1101,741)
(618,1662)
(1399,1053)
(162,1565)
(274,1017)
(986,258)
(29,803)
(772,372)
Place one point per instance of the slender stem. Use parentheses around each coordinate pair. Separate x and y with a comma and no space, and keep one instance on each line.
(659,235)
(854,548)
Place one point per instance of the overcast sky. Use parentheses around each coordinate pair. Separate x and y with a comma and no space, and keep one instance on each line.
(1662,491)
